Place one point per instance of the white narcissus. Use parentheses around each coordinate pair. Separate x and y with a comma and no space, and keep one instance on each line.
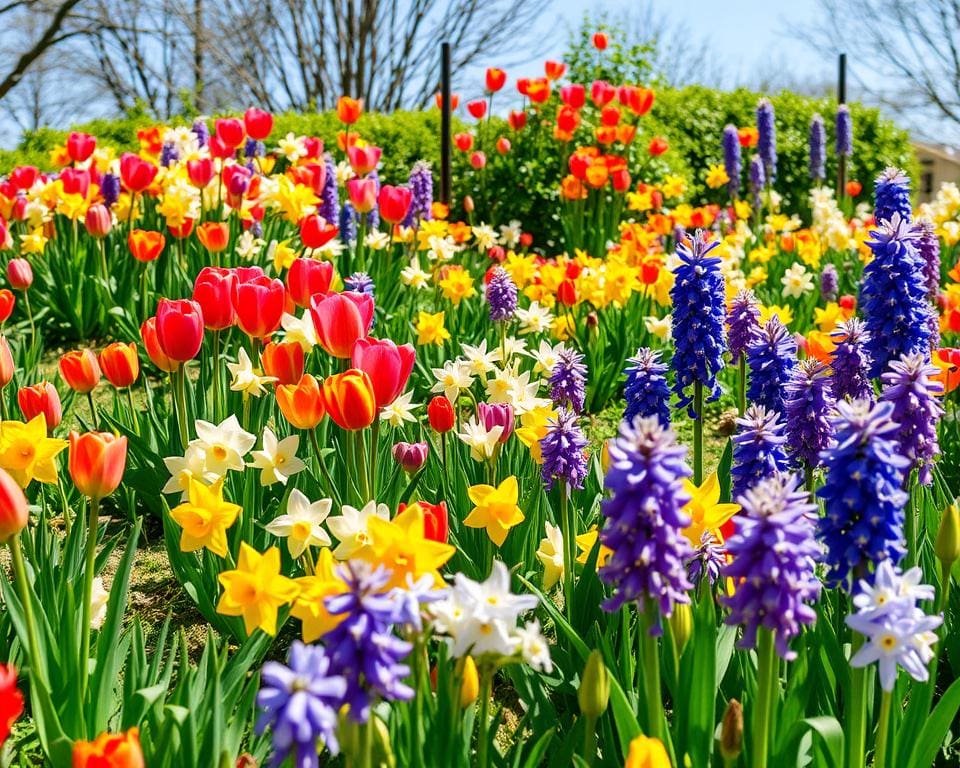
(245,378)
(302,524)
(278,460)
(481,442)
(224,445)
(550,554)
(350,527)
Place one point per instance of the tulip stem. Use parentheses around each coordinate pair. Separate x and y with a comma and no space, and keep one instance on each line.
(483,738)
(180,404)
(568,533)
(23,587)
(33,327)
(374,444)
(767,681)
(133,413)
(332,487)
(883,732)
(362,471)
(216,377)
(857,715)
(93,408)
(89,564)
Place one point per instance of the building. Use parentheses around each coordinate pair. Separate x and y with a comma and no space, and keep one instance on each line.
(939,164)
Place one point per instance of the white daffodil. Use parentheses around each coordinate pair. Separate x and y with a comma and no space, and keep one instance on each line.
(224,445)
(302,524)
(98,603)
(300,329)
(513,346)
(399,411)
(413,276)
(245,377)
(550,555)
(182,468)
(533,647)
(477,360)
(451,379)
(661,327)
(484,237)
(248,246)
(546,356)
(278,460)
(510,234)
(350,527)
(292,147)
(482,442)
(534,319)
(796,281)
(377,240)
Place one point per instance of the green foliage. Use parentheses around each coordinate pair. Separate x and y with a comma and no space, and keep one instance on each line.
(623,61)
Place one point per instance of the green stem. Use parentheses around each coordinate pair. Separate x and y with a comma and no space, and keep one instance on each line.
(883,732)
(857,716)
(361,459)
(768,679)
(216,377)
(331,486)
(742,385)
(910,531)
(650,658)
(93,408)
(366,744)
(33,327)
(133,413)
(698,433)
(568,533)
(23,589)
(590,741)
(89,564)
(374,442)
(180,404)
(483,739)
(144,304)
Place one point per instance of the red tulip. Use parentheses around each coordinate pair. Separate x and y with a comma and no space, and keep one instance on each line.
(574,95)
(523,86)
(495,80)
(246,274)
(602,93)
(7,303)
(440,414)
(362,194)
(394,203)
(340,319)
(179,327)
(464,141)
(7,367)
(218,149)
(80,146)
(145,244)
(41,398)
(230,131)
(80,370)
(13,519)
(148,333)
(620,178)
(24,177)
(98,220)
(658,145)
(201,172)
(854,188)
(609,116)
(97,461)
(436,524)
(307,277)
(76,181)
(20,274)
(454,100)
(477,108)
(315,231)
(567,293)
(136,174)
(283,360)
(600,41)
(257,123)
(503,145)
(183,231)
(348,110)
(538,91)
(478,160)
(517,119)
(640,100)
(568,119)
(301,403)
(213,291)
(389,366)
(363,159)
(259,305)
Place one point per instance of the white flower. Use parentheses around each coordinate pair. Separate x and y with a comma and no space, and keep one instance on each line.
(441,248)
(330,250)
(302,525)
(224,445)
(184,141)
(500,386)
(796,281)
(534,648)
(453,377)
(278,460)
(245,378)
(661,327)
(510,234)
(550,555)
(292,147)
(413,276)
(98,603)
(492,599)
(482,443)
(485,237)
(248,247)
(376,240)
(399,411)
(546,356)
(534,319)
(479,362)
(350,527)
(182,468)
(301,330)
(513,346)
(344,173)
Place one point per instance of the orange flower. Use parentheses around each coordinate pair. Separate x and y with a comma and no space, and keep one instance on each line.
(109,750)
(820,346)
(597,175)
(283,360)
(145,245)
(97,461)
(572,188)
(301,403)
(948,361)
(348,110)
(748,136)
(626,133)
(148,332)
(214,235)
(606,134)
(80,370)
(539,90)
(120,364)
(349,399)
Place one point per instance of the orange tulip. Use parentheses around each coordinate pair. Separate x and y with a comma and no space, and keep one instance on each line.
(120,364)
(301,403)
(349,110)
(214,235)
(349,399)
(145,245)
(283,360)
(97,461)
(109,750)
(80,370)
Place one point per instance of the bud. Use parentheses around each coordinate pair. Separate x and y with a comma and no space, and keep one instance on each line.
(594,692)
(440,414)
(469,681)
(681,626)
(947,544)
(410,456)
(468,204)
(731,731)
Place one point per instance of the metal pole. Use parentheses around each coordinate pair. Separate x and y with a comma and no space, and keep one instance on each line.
(445,147)
(842,99)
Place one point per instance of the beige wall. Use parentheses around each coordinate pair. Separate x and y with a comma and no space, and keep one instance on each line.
(936,168)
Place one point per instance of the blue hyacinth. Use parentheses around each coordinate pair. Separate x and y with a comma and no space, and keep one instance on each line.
(771,357)
(562,449)
(892,195)
(421,185)
(818,154)
(110,189)
(758,449)
(808,412)
(348,223)
(646,391)
(568,380)
(329,199)
(200,130)
(767,139)
(844,143)
(910,386)
(851,361)
(731,159)
(743,323)
(758,179)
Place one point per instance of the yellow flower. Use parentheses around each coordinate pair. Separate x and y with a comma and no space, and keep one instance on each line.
(430,329)
(784,313)
(717,176)
(256,590)
(533,428)
(585,543)
(640,201)
(742,209)
(673,187)
(457,285)
(311,603)
(562,327)
(33,243)
(294,200)
(707,514)
(647,752)
(496,509)
(205,518)
(402,546)
(283,255)
(829,317)
(550,554)
(522,269)
(27,453)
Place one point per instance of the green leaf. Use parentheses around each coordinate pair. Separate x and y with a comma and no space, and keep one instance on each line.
(935,729)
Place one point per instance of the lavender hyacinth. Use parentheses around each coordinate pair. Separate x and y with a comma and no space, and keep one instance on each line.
(501,295)
(808,410)
(373,218)
(767,139)
(771,357)
(829,283)
(818,155)
(200,130)
(645,518)
(348,223)
(299,703)
(329,201)
(568,380)
(844,144)
(421,185)
(359,282)
(908,385)
(731,159)
(774,563)
(646,390)
(851,361)
(562,449)
(253,148)
(758,449)
(707,561)
(110,189)
(743,322)
(758,179)
(928,248)
(892,195)
(863,496)
(893,295)
(168,154)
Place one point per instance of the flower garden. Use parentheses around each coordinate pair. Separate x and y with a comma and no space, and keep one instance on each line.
(302,465)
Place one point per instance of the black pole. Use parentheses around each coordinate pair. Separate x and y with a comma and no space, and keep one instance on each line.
(842,99)
(445,110)
(842,80)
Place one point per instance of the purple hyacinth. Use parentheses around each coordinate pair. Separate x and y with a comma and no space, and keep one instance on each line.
(771,357)
(908,385)
(501,295)
(829,283)
(844,144)
(645,518)
(743,323)
(774,563)
(808,410)
(893,295)
(421,185)
(758,449)
(568,380)
(863,496)
(767,139)
(363,647)
(299,704)
(110,189)
(818,154)
(329,199)
(851,361)
(200,130)
(731,159)
(562,447)
(758,179)
(373,218)
(892,195)
(348,223)
(699,311)
(928,247)
(359,282)
(646,391)
(707,561)
(253,148)
(168,154)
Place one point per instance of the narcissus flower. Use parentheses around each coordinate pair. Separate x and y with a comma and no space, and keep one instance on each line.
(431,329)
(495,509)
(27,453)
(256,590)
(404,548)
(205,518)
(310,605)
(302,524)
(706,513)
(278,459)
(110,750)
(97,461)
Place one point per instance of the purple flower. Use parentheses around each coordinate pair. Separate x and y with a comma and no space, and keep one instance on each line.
(743,322)
(329,201)
(844,145)
(829,283)
(707,561)
(908,386)
(767,139)
(863,497)
(758,449)
(201,131)
(110,189)
(646,390)
(645,518)
(928,247)
(568,380)
(562,449)
(168,154)
(359,282)
(410,456)
(496,415)
(851,361)
(501,295)
(731,158)
(774,560)
(758,179)
(299,703)
(818,138)
(421,185)
(253,148)
(771,357)
(808,411)
(348,223)
(892,195)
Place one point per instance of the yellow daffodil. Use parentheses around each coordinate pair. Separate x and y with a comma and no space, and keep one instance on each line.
(585,544)
(33,242)
(293,200)
(457,285)
(707,514)
(402,546)
(673,187)
(533,428)
(522,269)
(717,176)
(256,590)
(430,329)
(550,554)
(205,518)
(311,603)
(496,509)
(283,255)
(784,313)
(27,453)
(742,209)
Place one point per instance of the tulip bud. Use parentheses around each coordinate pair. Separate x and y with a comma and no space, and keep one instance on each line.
(98,220)
(681,625)
(13,507)
(301,403)
(478,159)
(19,274)
(41,398)
(120,364)
(410,456)
(7,367)
(383,756)
(468,205)
(97,461)
(594,692)
(731,731)
(496,415)
(80,370)
(947,544)
(440,414)
(470,681)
